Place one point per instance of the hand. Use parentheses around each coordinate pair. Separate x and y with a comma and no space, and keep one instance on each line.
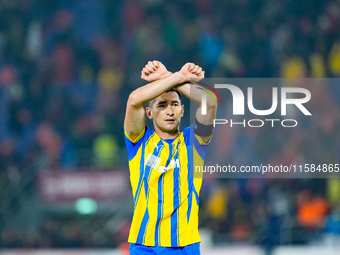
(154,70)
(192,71)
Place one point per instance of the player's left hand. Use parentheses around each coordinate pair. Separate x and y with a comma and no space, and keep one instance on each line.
(154,70)
(192,71)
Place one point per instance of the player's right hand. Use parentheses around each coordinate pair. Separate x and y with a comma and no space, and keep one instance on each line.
(154,70)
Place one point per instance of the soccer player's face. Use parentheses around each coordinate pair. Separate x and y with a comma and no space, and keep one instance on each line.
(167,112)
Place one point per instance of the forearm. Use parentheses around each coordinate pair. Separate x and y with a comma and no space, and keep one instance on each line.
(194,92)
(152,90)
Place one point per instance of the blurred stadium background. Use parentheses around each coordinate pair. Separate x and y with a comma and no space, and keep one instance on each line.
(66,69)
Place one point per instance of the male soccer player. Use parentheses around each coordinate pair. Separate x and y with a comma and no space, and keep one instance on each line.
(165,219)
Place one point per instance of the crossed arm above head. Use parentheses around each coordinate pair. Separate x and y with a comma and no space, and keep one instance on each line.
(159,82)
(155,70)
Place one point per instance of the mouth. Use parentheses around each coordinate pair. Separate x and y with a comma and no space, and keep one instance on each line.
(170,121)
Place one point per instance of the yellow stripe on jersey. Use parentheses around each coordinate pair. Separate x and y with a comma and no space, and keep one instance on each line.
(164,190)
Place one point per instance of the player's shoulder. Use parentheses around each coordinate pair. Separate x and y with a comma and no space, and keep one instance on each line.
(133,146)
(186,134)
(145,134)
(186,130)
(149,132)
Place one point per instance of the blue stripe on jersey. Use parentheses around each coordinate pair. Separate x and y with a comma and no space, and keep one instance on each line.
(141,233)
(175,215)
(189,199)
(179,192)
(186,135)
(190,180)
(141,173)
(196,195)
(159,208)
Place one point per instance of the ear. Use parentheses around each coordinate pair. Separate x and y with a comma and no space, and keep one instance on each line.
(182,110)
(148,111)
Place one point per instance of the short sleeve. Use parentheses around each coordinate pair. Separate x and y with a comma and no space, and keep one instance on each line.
(191,138)
(133,145)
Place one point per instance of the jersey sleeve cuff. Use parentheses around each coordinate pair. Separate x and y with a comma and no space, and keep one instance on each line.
(201,142)
(137,138)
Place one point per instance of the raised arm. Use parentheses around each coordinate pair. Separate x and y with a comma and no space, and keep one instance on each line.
(134,122)
(193,91)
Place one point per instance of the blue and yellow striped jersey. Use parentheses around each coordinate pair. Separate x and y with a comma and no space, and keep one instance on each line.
(164,190)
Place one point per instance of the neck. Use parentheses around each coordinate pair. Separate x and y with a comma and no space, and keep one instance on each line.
(165,135)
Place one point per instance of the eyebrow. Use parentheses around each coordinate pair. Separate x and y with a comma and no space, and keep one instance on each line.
(164,102)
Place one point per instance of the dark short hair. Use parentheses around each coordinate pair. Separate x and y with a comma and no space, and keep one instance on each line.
(169,90)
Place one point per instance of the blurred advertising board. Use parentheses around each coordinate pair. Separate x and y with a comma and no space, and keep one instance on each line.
(58,186)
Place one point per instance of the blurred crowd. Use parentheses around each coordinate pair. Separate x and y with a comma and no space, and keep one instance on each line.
(67,68)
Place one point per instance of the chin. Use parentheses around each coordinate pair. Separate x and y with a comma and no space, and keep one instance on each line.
(170,129)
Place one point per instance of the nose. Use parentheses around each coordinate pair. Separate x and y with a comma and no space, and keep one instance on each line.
(170,111)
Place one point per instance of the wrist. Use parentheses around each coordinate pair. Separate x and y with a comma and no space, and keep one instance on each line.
(166,74)
(181,78)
